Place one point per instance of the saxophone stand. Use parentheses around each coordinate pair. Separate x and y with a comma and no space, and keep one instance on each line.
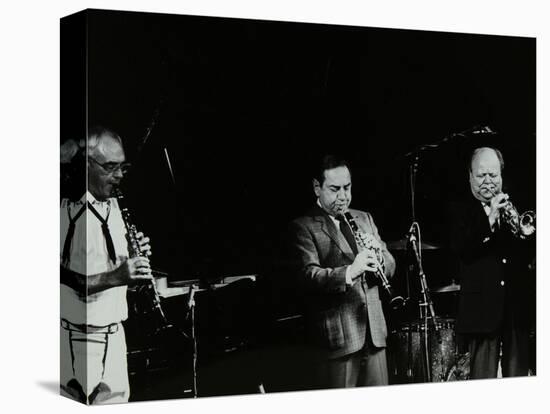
(425,305)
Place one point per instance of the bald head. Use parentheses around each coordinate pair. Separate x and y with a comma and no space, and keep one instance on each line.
(486,173)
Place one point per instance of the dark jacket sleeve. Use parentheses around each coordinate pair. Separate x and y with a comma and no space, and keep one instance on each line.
(307,265)
(471,236)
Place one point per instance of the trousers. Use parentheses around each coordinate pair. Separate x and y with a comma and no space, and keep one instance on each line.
(94,367)
(365,367)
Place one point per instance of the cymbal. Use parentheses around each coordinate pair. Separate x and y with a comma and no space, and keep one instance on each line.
(402,245)
(453,287)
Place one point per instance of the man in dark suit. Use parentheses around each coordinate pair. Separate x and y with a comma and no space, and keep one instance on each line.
(494,297)
(345,321)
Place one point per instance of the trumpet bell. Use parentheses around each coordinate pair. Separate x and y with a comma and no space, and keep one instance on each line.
(527,224)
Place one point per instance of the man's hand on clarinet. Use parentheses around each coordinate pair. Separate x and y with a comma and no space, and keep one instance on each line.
(134,269)
(365,261)
(144,246)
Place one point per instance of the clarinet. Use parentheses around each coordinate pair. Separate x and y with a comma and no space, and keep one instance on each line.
(135,251)
(396,302)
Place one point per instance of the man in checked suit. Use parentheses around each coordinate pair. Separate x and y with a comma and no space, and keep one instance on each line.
(345,322)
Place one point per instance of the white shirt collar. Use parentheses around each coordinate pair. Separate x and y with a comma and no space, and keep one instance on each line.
(335,221)
(319,204)
(92,200)
(87,197)
(486,207)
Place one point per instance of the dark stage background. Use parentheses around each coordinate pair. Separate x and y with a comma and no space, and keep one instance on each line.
(243,107)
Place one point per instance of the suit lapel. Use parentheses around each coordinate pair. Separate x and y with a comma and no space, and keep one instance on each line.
(328,227)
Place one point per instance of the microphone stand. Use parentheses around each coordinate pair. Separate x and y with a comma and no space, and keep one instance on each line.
(192,289)
(191,300)
(425,306)
(191,310)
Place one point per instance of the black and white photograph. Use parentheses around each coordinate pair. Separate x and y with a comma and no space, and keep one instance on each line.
(210,241)
(274,208)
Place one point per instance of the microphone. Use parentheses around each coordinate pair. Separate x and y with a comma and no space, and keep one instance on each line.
(411,229)
(411,234)
(412,241)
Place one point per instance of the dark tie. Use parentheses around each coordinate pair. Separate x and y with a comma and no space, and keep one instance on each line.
(346,231)
(70,234)
(106,232)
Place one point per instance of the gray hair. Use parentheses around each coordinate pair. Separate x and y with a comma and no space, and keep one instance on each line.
(96,136)
(68,150)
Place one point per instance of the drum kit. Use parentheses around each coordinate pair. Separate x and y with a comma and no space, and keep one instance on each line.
(426,348)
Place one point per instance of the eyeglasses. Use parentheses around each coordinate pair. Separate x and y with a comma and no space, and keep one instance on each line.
(112,167)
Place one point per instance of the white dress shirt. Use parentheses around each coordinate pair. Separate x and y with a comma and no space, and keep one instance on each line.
(487,209)
(89,256)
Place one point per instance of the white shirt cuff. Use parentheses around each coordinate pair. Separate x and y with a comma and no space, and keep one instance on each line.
(349,280)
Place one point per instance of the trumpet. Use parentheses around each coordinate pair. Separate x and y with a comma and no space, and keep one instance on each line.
(521,225)
(364,242)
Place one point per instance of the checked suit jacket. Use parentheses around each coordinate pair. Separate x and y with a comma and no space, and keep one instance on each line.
(339,317)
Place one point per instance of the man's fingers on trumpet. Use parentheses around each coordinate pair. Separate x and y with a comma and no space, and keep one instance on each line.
(497,203)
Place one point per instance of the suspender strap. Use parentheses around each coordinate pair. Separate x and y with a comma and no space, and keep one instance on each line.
(72,350)
(104,355)
(70,234)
